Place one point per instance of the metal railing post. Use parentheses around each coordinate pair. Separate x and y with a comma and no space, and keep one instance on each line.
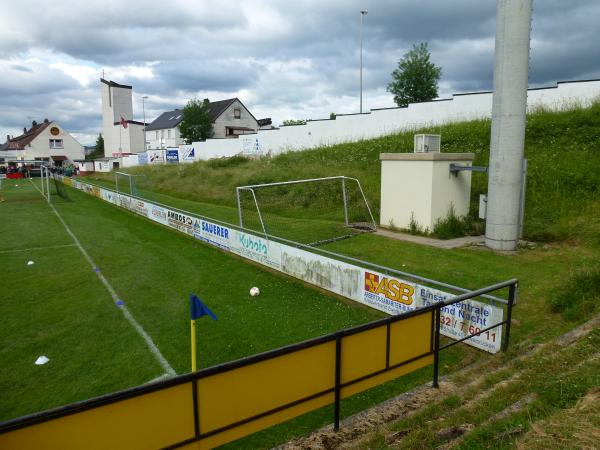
(436,349)
(337,388)
(196,408)
(512,293)
(522,199)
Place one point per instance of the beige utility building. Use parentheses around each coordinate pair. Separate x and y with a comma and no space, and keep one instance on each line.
(422,187)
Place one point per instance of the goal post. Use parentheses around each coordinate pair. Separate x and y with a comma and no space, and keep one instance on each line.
(129,183)
(310,211)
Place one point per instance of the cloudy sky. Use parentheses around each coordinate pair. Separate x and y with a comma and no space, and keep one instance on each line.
(282,59)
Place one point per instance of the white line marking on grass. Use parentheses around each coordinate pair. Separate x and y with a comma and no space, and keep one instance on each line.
(37,248)
(151,345)
(164,376)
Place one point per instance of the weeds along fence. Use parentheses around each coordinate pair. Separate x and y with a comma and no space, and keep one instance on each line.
(221,404)
(226,402)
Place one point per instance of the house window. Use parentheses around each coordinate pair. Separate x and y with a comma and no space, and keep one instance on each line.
(169,134)
(237,113)
(162,134)
(157,135)
(56,143)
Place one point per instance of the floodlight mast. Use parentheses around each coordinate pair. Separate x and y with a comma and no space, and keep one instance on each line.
(363,13)
(511,70)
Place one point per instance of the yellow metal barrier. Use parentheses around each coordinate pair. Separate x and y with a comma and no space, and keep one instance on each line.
(153,420)
(220,404)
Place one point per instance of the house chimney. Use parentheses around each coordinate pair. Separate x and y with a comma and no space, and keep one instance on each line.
(33,123)
(24,130)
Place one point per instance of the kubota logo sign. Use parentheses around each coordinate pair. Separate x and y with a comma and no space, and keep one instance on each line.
(390,288)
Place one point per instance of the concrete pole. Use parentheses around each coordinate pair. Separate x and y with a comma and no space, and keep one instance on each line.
(363,13)
(144,112)
(511,69)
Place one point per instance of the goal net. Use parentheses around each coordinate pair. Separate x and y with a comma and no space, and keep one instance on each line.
(132,184)
(313,212)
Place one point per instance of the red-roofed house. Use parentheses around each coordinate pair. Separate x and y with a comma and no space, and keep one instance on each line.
(46,141)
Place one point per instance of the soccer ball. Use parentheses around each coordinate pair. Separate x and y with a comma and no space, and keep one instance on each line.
(254,291)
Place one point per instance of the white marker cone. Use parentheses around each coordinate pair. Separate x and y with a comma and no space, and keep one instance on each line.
(41,360)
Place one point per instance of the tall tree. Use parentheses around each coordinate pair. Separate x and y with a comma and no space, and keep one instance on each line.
(416,77)
(196,124)
(98,151)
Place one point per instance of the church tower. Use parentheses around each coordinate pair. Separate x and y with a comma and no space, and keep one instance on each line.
(120,136)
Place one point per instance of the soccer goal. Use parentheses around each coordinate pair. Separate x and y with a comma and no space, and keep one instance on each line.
(129,183)
(313,211)
(51,187)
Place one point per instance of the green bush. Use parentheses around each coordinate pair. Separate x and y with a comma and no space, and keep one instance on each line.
(453,226)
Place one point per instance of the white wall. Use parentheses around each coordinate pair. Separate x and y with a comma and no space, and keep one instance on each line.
(40,146)
(350,128)
(85,166)
(163,140)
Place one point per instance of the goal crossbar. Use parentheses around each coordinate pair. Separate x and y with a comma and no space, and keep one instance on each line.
(370,225)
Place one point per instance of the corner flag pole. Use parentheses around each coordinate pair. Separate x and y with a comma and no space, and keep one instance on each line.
(197,309)
(193,330)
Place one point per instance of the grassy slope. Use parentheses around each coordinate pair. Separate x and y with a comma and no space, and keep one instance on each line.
(562,188)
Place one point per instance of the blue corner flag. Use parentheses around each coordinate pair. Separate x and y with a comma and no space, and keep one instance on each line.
(199,309)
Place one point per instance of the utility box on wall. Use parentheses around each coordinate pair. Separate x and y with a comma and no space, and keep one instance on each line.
(427,143)
(421,186)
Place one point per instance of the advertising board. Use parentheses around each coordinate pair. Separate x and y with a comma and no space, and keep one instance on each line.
(172,155)
(378,290)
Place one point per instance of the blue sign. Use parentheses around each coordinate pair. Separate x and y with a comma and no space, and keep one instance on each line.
(142,158)
(172,156)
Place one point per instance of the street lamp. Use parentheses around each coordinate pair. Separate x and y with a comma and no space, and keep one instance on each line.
(144,112)
(363,12)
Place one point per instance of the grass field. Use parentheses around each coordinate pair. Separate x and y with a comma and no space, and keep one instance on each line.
(59,308)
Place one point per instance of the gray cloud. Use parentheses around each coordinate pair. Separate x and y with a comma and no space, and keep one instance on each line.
(281,57)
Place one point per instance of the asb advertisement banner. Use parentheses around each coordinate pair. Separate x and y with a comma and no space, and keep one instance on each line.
(381,291)
(465,318)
